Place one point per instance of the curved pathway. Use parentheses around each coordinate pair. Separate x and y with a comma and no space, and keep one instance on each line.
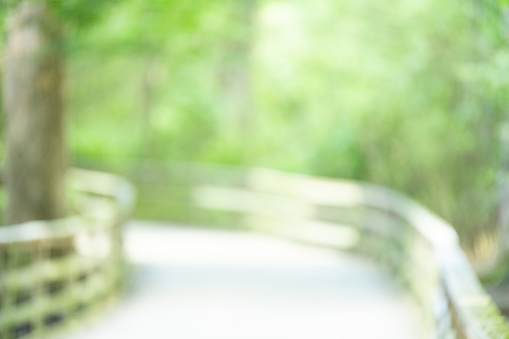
(192,283)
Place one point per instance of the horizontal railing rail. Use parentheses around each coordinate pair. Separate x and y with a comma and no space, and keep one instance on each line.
(420,248)
(51,272)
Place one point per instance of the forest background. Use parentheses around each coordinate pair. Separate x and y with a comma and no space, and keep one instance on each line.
(406,94)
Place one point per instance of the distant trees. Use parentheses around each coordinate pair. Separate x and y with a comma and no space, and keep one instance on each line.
(348,89)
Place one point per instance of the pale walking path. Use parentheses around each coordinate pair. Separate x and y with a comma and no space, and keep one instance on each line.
(191,283)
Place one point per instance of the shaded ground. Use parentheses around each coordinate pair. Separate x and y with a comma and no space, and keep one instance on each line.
(195,283)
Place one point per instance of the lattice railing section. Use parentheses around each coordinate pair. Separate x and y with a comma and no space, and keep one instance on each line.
(419,247)
(52,273)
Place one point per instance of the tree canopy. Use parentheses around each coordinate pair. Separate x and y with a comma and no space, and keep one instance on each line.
(409,94)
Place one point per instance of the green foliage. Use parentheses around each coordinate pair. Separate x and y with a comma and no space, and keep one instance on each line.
(408,94)
(77,13)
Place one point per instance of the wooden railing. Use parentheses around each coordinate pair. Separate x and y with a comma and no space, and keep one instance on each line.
(53,272)
(416,245)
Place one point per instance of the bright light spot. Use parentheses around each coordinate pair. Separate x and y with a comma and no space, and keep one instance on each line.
(180,246)
(93,245)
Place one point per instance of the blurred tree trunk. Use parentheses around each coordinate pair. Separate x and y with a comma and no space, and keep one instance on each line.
(503,199)
(153,77)
(236,73)
(503,220)
(33,104)
(494,272)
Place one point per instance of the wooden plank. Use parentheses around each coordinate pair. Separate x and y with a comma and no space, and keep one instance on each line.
(30,277)
(292,197)
(56,286)
(393,228)
(83,292)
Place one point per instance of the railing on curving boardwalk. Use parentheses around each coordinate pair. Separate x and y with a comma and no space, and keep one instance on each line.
(52,272)
(418,246)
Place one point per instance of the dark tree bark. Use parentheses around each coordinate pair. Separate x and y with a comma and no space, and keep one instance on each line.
(33,103)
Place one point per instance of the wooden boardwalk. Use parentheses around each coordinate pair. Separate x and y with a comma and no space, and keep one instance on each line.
(191,283)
